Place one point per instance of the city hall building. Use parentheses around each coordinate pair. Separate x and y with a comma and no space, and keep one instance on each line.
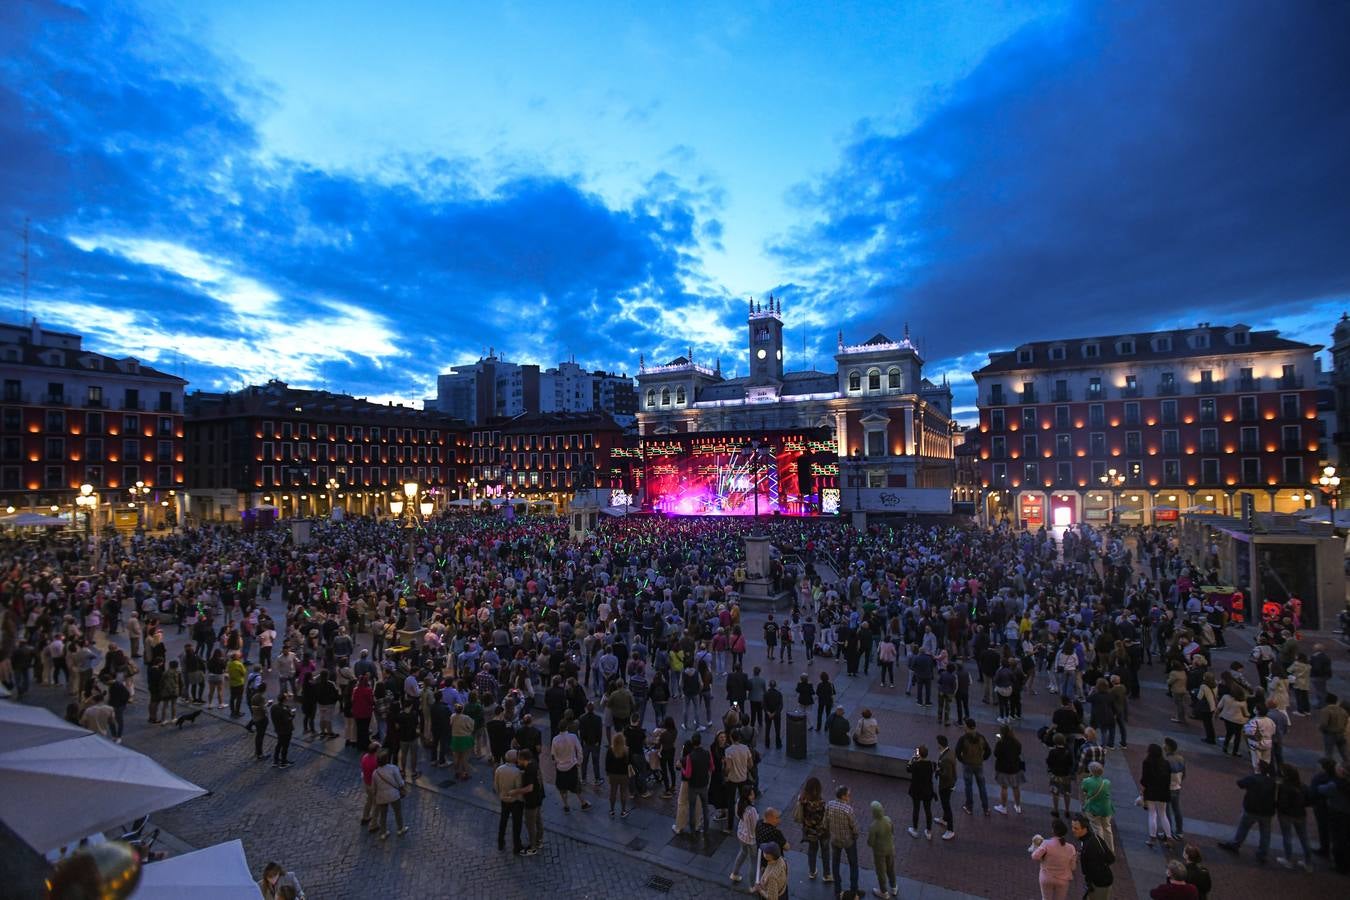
(873,435)
(1139,428)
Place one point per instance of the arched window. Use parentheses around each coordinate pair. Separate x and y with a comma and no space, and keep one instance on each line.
(893,379)
(651,397)
(854,381)
(874,380)
(665,396)
(679,395)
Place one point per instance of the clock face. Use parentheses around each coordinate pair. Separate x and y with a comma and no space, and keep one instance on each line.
(778,354)
(761,353)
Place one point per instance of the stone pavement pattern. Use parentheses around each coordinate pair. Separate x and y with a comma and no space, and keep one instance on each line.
(307,818)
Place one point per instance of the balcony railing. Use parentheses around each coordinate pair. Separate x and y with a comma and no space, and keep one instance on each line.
(1129,393)
(95,403)
(1168,389)
(1062,395)
(1249,384)
(1290,382)
(1026,397)
(1209,387)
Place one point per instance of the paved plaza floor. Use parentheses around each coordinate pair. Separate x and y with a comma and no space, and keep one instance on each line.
(306,817)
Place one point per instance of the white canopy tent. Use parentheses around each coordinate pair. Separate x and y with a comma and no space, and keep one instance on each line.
(213,873)
(32,726)
(1323,514)
(54,794)
(33,520)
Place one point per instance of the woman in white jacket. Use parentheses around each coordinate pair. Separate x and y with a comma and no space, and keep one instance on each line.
(389,790)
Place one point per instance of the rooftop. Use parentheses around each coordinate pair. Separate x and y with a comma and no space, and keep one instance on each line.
(1150,346)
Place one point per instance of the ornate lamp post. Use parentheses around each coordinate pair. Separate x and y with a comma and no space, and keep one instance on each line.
(1330,484)
(332,488)
(1113,480)
(139,491)
(407,507)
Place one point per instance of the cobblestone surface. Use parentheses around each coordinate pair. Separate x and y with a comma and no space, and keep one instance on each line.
(307,818)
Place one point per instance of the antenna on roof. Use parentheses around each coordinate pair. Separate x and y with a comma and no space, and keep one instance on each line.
(24,271)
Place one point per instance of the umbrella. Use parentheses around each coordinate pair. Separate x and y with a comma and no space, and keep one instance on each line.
(55,794)
(32,726)
(213,873)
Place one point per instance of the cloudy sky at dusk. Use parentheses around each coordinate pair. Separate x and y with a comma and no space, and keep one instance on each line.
(360,195)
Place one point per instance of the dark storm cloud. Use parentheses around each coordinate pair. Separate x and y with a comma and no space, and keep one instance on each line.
(111,137)
(1112,169)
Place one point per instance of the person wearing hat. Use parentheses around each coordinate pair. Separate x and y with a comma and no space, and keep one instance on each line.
(773,875)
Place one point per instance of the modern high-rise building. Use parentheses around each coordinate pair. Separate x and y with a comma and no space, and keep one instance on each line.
(1141,427)
(494,388)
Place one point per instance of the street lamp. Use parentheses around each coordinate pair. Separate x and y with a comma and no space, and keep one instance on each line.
(139,491)
(1330,484)
(1113,480)
(407,507)
(87,502)
(332,488)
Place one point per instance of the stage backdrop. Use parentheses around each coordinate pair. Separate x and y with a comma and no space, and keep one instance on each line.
(727,474)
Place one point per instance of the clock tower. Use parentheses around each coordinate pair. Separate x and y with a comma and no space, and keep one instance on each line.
(766,342)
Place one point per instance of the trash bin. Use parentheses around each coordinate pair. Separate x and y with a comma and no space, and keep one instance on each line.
(796,734)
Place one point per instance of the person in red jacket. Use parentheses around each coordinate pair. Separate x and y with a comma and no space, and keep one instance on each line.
(363,707)
(1175,887)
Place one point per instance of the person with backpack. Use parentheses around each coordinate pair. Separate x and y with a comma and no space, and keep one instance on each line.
(972,749)
(810,814)
(1260,734)
(1095,858)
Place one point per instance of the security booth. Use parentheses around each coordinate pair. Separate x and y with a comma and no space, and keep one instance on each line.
(1272,558)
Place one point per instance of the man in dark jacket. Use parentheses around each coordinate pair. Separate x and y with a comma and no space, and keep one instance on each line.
(591,730)
(440,730)
(738,688)
(555,701)
(283,725)
(1258,808)
(697,772)
(922,666)
(773,714)
(1095,859)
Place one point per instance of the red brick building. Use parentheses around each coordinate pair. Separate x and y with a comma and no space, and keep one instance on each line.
(539,456)
(69,416)
(1140,427)
(281,446)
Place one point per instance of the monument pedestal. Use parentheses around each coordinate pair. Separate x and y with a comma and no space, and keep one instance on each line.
(410,637)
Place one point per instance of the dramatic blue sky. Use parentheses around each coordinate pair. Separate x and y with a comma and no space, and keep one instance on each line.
(360,195)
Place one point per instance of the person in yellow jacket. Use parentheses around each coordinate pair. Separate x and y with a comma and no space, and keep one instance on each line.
(235,675)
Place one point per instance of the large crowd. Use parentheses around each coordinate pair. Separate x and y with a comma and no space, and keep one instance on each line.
(622,660)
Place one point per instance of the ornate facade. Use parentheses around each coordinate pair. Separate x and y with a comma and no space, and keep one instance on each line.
(890,426)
